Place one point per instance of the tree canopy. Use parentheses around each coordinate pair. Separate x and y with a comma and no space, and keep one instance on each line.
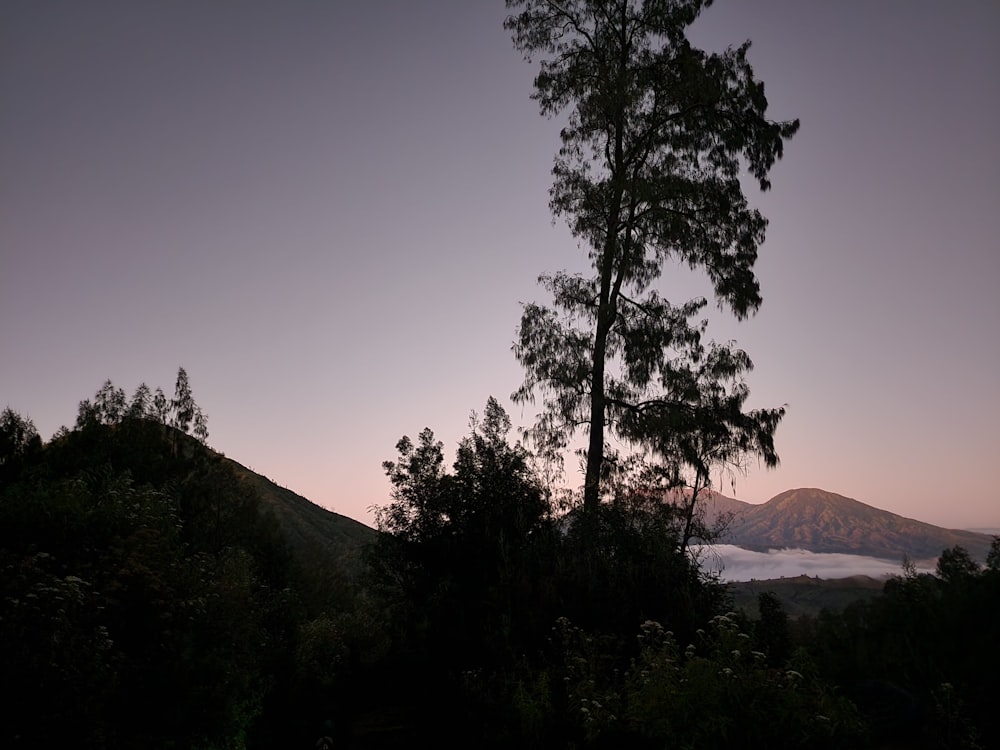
(460,547)
(656,135)
(109,406)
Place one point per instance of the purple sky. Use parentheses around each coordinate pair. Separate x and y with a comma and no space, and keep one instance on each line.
(329,212)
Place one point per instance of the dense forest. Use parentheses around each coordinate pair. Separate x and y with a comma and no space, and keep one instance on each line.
(150,599)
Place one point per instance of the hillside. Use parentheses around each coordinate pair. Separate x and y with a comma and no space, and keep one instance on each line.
(140,569)
(312,531)
(720,507)
(821,521)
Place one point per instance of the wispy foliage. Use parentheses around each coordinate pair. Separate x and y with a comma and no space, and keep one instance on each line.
(656,135)
(109,406)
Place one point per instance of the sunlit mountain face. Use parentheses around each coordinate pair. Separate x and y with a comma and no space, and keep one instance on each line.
(818,521)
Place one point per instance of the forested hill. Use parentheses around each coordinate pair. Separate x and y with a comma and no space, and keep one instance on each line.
(139,570)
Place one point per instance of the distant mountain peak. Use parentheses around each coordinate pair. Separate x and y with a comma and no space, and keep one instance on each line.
(822,521)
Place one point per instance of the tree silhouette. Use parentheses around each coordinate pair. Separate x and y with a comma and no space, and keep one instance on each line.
(182,406)
(87,414)
(701,425)
(160,406)
(956,565)
(18,440)
(993,556)
(141,404)
(459,546)
(109,406)
(110,403)
(17,435)
(656,135)
(200,425)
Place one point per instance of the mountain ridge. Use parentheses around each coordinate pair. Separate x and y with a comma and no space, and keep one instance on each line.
(808,518)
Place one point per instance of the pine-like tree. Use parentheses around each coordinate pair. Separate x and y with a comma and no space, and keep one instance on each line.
(657,133)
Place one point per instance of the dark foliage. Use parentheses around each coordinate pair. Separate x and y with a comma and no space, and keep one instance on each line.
(151,599)
(465,555)
(921,660)
(148,599)
(630,568)
(475,569)
(19,441)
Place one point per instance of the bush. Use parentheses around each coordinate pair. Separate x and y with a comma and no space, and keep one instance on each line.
(716,693)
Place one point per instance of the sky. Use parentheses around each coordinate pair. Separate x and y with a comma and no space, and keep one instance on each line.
(330,213)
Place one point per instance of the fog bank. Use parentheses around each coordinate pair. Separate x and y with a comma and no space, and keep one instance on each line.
(738,564)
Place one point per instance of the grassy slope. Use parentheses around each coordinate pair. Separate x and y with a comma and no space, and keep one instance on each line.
(313,532)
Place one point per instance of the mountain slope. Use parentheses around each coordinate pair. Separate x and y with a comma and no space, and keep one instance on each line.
(821,521)
(718,507)
(311,530)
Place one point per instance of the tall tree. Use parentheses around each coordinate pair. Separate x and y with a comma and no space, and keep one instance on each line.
(87,414)
(141,404)
(160,406)
(200,425)
(110,403)
(18,439)
(656,134)
(182,405)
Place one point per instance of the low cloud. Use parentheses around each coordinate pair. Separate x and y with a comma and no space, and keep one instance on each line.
(738,564)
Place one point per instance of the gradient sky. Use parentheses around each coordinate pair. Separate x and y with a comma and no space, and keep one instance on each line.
(330,212)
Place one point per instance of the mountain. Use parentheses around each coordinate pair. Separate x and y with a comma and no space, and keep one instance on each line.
(719,507)
(821,521)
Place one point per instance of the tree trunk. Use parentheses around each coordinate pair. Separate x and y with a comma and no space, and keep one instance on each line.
(607,309)
(595,448)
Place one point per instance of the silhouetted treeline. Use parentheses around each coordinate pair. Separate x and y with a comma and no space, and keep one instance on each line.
(150,600)
(536,629)
(921,660)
